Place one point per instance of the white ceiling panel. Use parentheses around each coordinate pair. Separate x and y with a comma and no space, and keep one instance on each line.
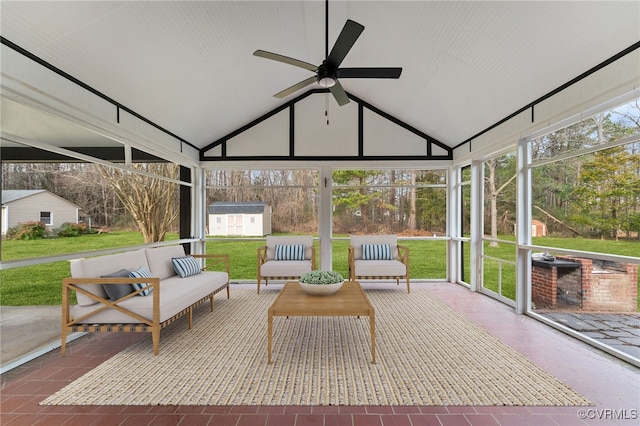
(188,66)
(32,125)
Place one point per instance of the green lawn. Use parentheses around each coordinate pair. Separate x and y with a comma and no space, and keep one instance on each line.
(41,284)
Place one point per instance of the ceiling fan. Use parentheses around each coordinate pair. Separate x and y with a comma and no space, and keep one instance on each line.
(329,71)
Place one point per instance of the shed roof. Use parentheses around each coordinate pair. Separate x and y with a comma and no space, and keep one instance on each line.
(225,207)
(10,195)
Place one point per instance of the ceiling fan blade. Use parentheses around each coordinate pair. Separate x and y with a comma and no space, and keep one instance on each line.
(339,93)
(286,60)
(348,36)
(369,72)
(295,87)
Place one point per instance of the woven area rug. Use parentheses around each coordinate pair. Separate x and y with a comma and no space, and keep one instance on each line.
(427,354)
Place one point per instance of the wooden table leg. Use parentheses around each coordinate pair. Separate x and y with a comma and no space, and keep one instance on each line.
(269,334)
(372,326)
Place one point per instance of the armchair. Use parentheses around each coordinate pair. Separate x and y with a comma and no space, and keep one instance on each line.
(378,257)
(285,257)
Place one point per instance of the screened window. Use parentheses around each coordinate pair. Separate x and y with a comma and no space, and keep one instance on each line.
(45,217)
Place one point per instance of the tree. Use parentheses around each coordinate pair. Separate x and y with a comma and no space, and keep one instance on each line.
(361,198)
(493,191)
(151,201)
(608,193)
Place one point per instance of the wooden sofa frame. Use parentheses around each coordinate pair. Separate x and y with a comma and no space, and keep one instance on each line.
(150,325)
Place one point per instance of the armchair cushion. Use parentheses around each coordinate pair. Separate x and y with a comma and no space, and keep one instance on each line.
(376,252)
(285,268)
(289,252)
(357,241)
(379,268)
(378,257)
(273,240)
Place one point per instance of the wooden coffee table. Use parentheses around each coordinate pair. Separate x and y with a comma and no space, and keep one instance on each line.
(350,300)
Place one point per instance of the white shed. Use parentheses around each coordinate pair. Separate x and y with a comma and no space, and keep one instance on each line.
(36,205)
(240,218)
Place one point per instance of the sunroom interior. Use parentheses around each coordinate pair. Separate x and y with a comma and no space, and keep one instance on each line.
(120,83)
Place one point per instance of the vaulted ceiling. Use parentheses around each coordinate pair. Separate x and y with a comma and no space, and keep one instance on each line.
(188,66)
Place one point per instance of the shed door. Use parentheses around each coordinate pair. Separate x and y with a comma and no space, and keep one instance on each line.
(234,224)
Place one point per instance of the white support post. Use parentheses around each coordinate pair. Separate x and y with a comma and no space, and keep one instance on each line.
(453,224)
(198,208)
(325,224)
(477,223)
(128,155)
(523,228)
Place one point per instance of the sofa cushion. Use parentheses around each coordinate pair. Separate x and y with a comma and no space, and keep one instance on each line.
(159,260)
(94,267)
(176,294)
(186,266)
(117,291)
(376,252)
(141,272)
(289,252)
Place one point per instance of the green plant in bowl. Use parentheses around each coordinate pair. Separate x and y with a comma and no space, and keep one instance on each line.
(321,283)
(321,277)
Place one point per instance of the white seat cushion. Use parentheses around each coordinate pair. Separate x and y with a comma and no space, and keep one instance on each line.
(285,268)
(379,268)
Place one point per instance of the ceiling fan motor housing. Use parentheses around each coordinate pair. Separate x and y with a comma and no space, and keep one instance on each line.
(326,78)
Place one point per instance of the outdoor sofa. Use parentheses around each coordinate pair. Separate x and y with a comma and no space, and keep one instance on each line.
(139,291)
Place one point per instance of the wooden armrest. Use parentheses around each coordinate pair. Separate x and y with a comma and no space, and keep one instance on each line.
(216,259)
(313,258)
(262,255)
(403,254)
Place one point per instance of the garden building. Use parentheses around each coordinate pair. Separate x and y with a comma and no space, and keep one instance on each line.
(39,205)
(239,218)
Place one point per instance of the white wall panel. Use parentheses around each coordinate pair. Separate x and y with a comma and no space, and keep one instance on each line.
(383,137)
(214,152)
(268,138)
(313,137)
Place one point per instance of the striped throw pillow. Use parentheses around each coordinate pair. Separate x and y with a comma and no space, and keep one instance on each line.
(141,272)
(186,266)
(376,252)
(289,252)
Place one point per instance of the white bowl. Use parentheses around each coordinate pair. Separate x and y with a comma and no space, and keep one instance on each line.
(321,289)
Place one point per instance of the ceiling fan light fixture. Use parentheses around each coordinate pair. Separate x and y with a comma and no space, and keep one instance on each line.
(327,81)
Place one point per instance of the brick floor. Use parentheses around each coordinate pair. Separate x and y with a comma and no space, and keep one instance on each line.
(612,385)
